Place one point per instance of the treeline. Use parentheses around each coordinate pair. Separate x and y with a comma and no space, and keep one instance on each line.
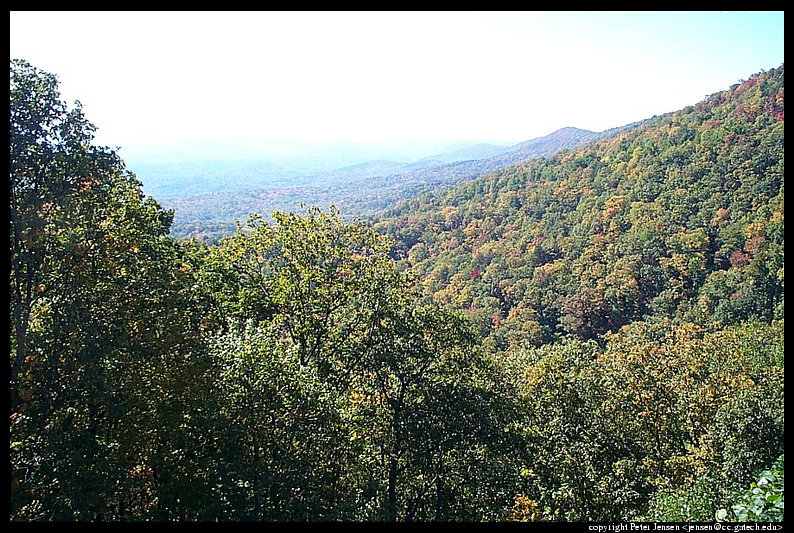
(297,371)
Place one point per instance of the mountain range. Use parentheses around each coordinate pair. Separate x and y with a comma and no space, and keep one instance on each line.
(209,197)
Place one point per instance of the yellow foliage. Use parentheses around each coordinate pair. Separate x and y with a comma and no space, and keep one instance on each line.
(524,510)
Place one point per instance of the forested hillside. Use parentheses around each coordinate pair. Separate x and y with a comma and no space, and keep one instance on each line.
(680,218)
(594,336)
(358,191)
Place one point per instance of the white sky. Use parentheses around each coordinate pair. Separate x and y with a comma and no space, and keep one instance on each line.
(379,77)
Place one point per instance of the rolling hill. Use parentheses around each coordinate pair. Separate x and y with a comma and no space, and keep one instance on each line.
(209,200)
(678,218)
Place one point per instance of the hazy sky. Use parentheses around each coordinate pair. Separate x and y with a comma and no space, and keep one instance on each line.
(163,77)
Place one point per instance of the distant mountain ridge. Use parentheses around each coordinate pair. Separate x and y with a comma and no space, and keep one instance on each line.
(457,171)
(475,151)
(208,206)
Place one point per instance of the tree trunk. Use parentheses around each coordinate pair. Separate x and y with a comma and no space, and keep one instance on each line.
(20,330)
(391,510)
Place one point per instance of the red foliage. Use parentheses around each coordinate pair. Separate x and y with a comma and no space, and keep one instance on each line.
(739,259)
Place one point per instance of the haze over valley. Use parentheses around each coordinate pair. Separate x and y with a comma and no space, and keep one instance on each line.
(582,324)
(209,197)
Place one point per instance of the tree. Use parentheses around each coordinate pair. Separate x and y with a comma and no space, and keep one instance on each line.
(103,334)
(391,402)
(281,433)
(52,165)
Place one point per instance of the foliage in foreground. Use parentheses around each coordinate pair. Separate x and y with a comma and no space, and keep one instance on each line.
(763,501)
(665,423)
(291,372)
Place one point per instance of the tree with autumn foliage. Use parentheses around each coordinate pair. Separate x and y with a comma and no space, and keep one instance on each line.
(593,336)
(102,338)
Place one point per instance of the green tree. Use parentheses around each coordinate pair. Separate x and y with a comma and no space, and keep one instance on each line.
(53,167)
(408,401)
(103,335)
(763,501)
(281,432)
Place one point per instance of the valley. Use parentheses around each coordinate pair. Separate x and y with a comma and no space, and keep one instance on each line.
(584,327)
(210,197)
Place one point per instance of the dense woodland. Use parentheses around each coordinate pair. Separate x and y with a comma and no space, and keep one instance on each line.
(679,218)
(592,336)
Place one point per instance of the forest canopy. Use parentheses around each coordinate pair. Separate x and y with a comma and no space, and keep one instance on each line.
(679,218)
(592,336)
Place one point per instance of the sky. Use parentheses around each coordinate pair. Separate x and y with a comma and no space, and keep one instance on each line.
(158,78)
